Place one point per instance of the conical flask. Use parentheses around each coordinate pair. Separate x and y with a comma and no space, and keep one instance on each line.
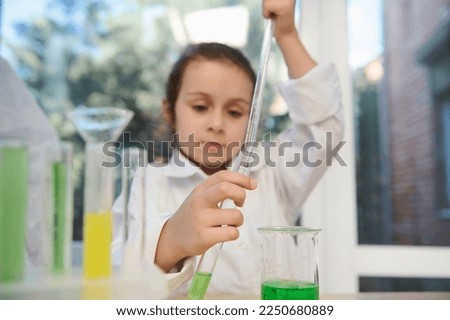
(98,126)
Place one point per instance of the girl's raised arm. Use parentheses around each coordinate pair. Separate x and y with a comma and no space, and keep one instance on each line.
(297,58)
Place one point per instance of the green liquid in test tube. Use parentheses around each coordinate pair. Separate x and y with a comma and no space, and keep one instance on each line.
(13,209)
(206,265)
(199,285)
(59,180)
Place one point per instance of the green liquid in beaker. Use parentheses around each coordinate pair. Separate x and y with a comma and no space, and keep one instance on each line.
(289,290)
(13,208)
(59,180)
(199,285)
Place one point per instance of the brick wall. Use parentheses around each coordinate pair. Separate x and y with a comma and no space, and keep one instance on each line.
(408,25)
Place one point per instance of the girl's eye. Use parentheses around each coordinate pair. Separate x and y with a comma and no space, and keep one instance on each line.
(199,108)
(235,114)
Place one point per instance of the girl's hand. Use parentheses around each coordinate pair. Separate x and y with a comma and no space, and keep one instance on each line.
(282,13)
(297,58)
(197,224)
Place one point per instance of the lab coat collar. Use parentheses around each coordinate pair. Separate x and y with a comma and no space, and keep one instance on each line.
(181,167)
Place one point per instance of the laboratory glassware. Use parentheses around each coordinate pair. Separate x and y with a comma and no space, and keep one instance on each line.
(242,164)
(99,127)
(60,219)
(133,159)
(14,169)
(289,263)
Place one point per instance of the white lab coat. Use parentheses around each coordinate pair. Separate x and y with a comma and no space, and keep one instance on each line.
(314,103)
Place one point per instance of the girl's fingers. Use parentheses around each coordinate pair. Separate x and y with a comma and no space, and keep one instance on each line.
(227,176)
(222,234)
(221,191)
(221,217)
(275,8)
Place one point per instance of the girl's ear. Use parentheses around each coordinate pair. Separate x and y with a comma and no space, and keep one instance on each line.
(168,114)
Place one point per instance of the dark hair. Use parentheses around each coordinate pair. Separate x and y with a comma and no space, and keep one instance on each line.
(208,51)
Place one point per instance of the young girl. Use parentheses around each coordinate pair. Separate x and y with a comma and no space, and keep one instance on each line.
(207,104)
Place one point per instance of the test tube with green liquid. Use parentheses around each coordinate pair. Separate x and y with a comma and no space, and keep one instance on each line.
(13,209)
(206,265)
(62,200)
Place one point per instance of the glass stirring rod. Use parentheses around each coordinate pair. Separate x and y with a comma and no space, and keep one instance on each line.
(205,268)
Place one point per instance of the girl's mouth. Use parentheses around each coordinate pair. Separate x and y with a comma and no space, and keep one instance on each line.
(213,147)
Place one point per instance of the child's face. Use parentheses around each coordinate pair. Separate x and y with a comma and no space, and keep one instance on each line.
(212,111)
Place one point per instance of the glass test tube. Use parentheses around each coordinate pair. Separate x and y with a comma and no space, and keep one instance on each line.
(13,209)
(61,213)
(132,255)
(205,268)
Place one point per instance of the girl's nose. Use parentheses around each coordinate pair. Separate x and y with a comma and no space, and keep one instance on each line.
(216,122)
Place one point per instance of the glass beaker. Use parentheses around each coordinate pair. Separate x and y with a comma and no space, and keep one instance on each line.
(13,209)
(99,127)
(289,263)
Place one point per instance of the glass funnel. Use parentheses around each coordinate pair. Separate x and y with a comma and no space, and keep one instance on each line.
(98,126)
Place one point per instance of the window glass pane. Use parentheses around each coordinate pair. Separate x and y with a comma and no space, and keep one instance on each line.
(444,160)
(378,284)
(119,53)
(400,61)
